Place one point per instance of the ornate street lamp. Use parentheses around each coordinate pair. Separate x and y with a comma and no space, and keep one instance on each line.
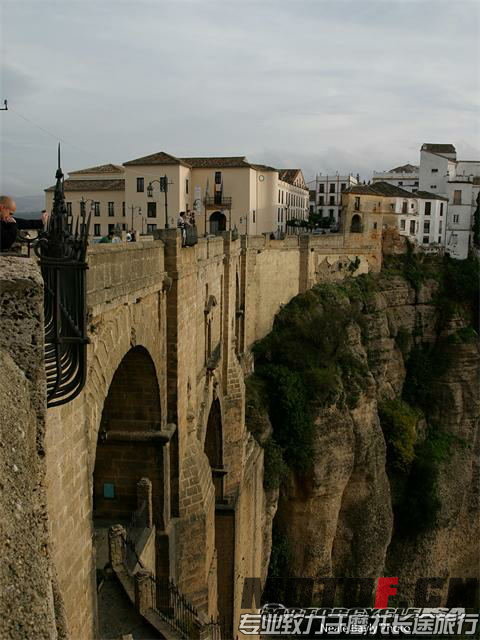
(163,184)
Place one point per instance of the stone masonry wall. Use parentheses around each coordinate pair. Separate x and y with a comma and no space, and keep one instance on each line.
(30,606)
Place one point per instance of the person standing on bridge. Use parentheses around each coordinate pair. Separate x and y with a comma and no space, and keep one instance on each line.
(10,225)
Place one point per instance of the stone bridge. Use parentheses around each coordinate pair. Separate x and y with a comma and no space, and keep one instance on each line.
(170,331)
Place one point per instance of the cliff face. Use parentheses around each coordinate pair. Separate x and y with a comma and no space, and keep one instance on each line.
(376,499)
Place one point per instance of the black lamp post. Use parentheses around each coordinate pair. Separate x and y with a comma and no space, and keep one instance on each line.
(133,209)
(163,184)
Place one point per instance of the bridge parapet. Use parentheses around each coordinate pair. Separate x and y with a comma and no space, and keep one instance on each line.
(123,271)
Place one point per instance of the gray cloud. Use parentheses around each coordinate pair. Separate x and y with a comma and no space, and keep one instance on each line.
(348,86)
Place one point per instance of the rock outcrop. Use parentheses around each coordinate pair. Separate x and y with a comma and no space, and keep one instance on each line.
(339,517)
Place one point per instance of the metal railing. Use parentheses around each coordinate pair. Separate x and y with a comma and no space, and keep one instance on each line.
(218,201)
(175,609)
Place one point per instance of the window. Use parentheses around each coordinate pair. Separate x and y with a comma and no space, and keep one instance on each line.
(402,225)
(416,183)
(151,228)
(400,183)
(253,215)
(434,170)
(186,185)
(97,231)
(282,196)
(321,200)
(96,209)
(151,209)
(111,209)
(428,208)
(124,226)
(332,200)
(218,177)
(332,188)
(456,218)
(140,185)
(441,209)
(111,228)
(320,211)
(439,239)
(457,196)
(82,208)
(453,239)
(412,206)
(426,227)
(357,204)
(343,186)
(404,206)
(425,240)
(330,213)
(123,209)
(440,226)
(69,208)
(412,227)
(433,186)
(279,195)
(321,188)
(375,224)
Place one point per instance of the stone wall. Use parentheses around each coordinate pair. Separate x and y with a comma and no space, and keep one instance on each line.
(127,308)
(31,605)
(195,311)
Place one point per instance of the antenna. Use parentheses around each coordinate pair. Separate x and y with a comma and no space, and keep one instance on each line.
(5,106)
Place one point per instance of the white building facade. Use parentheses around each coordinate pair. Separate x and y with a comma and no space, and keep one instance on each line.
(458,181)
(406,177)
(327,197)
(219,193)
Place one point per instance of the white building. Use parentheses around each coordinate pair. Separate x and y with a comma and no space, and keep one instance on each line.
(405,176)
(459,181)
(328,195)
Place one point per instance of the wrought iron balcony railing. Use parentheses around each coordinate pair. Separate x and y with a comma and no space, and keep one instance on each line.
(221,201)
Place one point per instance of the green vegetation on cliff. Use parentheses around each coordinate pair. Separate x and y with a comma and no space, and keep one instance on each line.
(311,360)
(306,362)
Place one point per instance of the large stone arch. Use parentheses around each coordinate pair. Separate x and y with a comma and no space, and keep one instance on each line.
(126,447)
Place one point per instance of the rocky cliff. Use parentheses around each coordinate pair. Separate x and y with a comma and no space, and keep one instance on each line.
(365,399)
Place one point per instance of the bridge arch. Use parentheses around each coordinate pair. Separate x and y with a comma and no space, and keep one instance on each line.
(126,446)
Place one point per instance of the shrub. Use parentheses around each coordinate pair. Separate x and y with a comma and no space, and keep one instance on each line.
(399,422)
(275,468)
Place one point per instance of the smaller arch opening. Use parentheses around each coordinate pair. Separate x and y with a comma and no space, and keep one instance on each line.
(218,222)
(356,225)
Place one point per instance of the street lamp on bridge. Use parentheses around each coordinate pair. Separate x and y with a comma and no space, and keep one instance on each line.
(163,184)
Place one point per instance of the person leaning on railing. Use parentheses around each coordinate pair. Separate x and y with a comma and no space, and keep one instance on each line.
(10,225)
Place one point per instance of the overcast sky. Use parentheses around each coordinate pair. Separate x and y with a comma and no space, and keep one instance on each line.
(323,85)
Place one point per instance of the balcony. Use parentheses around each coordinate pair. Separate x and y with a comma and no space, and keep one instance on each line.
(218,201)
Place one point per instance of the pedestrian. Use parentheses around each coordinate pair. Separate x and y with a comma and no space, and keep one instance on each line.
(182,224)
(107,239)
(10,225)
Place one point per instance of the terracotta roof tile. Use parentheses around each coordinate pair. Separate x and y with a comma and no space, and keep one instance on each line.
(222,162)
(92,185)
(102,168)
(160,158)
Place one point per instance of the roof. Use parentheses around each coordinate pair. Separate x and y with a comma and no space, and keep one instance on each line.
(92,185)
(380,189)
(160,158)
(263,167)
(290,175)
(438,148)
(389,190)
(404,168)
(102,168)
(426,195)
(217,162)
